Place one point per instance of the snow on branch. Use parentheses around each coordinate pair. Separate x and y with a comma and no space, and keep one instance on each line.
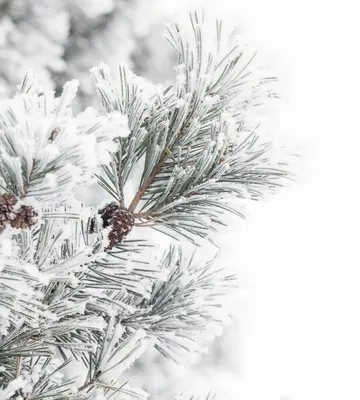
(57,150)
(198,148)
(75,285)
(186,311)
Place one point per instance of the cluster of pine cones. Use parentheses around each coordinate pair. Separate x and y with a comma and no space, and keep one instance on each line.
(22,218)
(120,220)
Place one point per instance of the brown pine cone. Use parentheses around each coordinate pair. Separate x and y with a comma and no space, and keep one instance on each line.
(7,214)
(25,218)
(120,220)
(121,223)
(108,212)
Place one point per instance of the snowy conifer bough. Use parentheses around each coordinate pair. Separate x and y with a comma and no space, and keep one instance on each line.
(76,286)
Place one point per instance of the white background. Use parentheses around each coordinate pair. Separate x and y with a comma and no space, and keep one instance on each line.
(300,252)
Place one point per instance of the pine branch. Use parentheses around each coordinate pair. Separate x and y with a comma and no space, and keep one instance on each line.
(44,164)
(197,152)
(72,286)
(174,311)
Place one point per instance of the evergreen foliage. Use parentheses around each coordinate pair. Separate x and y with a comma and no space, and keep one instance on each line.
(72,292)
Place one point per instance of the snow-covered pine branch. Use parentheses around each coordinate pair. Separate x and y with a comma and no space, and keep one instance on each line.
(107,329)
(194,141)
(185,312)
(57,151)
(77,287)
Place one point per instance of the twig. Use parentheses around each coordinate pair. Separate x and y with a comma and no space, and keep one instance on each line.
(120,175)
(144,224)
(142,215)
(86,385)
(18,366)
(148,182)
(166,153)
(91,382)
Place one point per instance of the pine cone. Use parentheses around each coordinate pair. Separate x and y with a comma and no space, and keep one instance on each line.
(7,214)
(120,220)
(25,218)
(108,212)
(121,223)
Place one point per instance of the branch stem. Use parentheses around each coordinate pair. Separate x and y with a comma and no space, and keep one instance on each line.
(142,215)
(86,385)
(144,224)
(120,175)
(148,182)
(18,366)
(141,191)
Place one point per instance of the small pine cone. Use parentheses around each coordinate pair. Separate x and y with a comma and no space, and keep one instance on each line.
(121,223)
(108,212)
(120,220)
(7,214)
(25,218)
